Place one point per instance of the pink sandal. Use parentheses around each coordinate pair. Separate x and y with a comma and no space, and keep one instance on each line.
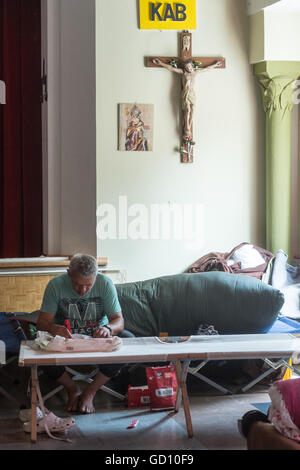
(25,414)
(51,423)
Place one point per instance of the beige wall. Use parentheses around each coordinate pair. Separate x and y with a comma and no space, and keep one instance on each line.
(274,35)
(254,6)
(282,35)
(227,178)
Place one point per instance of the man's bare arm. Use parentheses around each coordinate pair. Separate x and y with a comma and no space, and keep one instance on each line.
(167,66)
(45,323)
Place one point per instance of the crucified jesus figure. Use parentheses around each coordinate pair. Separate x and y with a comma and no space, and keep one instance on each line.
(188,72)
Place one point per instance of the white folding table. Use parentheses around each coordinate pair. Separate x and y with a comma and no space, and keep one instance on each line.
(152,349)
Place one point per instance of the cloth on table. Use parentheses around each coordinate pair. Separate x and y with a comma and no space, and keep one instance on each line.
(284,412)
(76,344)
(245,259)
(110,370)
(286,278)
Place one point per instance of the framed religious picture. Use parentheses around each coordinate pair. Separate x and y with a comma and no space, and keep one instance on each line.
(136,127)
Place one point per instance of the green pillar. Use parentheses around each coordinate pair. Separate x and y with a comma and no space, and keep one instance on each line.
(277,81)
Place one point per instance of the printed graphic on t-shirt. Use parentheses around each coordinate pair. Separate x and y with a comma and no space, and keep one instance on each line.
(84,315)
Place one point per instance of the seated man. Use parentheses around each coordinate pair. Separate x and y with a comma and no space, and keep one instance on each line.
(88,301)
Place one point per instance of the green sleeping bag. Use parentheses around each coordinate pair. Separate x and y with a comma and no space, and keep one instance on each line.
(179,304)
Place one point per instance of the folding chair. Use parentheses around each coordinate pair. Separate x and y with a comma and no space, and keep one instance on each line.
(3,392)
(282,325)
(11,333)
(79,377)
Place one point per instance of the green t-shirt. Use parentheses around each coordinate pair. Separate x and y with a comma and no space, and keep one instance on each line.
(85,313)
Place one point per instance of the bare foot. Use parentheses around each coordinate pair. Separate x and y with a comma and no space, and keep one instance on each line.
(86,404)
(73,399)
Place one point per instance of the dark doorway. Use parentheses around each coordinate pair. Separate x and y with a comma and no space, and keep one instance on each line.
(20,129)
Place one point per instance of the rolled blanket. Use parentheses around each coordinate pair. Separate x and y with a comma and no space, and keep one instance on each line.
(245,259)
(284,411)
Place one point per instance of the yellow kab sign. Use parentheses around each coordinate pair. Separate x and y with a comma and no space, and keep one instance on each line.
(180,14)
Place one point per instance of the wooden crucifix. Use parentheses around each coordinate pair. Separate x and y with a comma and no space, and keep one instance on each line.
(187,66)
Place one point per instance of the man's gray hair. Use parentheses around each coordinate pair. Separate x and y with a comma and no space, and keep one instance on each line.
(83,265)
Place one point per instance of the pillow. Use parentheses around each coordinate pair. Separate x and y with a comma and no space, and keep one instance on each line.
(179,304)
(248,256)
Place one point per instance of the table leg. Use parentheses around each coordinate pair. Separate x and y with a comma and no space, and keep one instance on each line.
(179,392)
(182,393)
(34,379)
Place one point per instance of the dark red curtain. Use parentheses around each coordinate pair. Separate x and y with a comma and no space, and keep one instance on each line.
(20,129)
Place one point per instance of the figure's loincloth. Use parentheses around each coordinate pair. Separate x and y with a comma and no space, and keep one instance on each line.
(188,97)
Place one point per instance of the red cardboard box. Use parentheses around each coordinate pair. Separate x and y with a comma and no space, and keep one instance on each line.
(138,396)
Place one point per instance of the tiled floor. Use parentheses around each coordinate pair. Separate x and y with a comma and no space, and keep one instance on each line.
(214,419)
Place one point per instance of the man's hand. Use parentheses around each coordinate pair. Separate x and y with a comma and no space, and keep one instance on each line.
(102,332)
(116,322)
(60,330)
(45,323)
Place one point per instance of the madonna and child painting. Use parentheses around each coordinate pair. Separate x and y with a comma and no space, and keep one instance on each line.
(136,127)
